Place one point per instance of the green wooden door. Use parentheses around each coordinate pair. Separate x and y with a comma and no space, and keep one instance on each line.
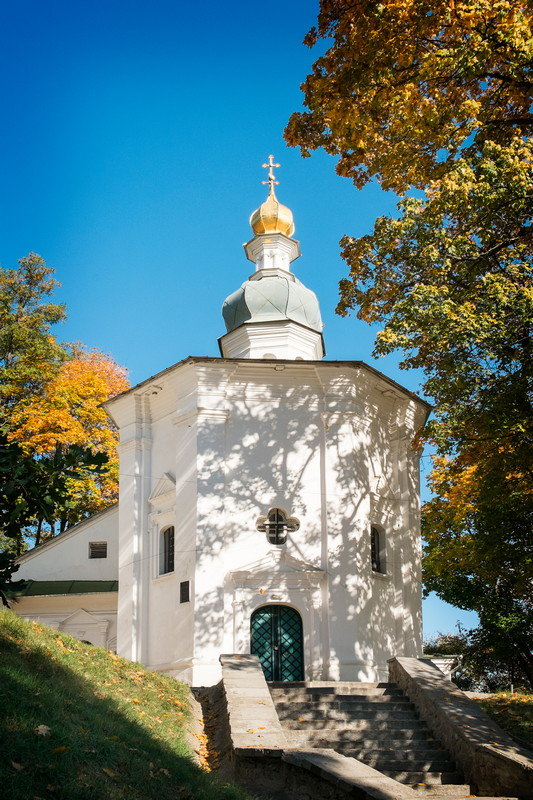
(277,639)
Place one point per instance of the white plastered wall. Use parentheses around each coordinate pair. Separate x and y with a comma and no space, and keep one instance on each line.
(92,617)
(66,557)
(314,441)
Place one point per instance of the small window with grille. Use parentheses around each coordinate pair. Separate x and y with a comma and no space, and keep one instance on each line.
(166,551)
(185,591)
(377,549)
(97,549)
(277,525)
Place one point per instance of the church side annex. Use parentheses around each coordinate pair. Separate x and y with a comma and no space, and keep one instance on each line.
(269,500)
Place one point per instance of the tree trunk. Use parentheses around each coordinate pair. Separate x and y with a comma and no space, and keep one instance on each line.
(38,533)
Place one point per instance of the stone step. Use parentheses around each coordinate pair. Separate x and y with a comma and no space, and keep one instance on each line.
(392,697)
(331,685)
(363,690)
(355,697)
(340,721)
(350,699)
(343,705)
(345,701)
(419,751)
(438,790)
(427,778)
(423,765)
(347,717)
(373,740)
(349,739)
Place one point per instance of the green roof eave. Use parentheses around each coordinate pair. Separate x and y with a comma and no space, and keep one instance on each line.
(51,588)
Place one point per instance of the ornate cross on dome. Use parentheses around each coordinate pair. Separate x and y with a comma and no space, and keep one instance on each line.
(271,177)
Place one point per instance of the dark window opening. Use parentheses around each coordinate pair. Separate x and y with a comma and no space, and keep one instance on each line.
(376,550)
(97,549)
(166,551)
(185,591)
(276,525)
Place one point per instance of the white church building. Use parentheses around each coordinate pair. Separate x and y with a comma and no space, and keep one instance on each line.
(269,502)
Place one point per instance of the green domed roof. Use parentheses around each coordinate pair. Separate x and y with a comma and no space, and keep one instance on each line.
(269,299)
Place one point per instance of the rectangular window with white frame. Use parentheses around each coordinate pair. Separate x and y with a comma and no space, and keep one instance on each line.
(97,549)
(185,591)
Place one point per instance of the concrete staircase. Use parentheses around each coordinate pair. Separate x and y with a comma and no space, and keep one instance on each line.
(373,722)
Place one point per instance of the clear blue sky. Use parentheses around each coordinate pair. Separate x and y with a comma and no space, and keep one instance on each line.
(132,138)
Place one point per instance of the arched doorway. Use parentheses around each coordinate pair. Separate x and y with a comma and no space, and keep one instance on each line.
(277,639)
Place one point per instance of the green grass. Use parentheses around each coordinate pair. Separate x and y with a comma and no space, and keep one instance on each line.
(114,731)
(512,712)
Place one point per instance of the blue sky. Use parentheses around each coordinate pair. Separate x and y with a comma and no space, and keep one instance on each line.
(132,141)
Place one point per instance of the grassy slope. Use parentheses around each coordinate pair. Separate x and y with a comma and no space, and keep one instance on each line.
(116,731)
(512,712)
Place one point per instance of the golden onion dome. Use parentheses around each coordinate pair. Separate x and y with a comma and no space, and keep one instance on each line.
(272,217)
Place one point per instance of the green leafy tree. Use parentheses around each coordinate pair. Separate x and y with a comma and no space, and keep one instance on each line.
(29,353)
(485,661)
(32,487)
(436,96)
(405,86)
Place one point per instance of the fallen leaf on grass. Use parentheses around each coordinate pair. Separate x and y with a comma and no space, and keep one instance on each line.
(110,772)
(42,730)
(60,749)
(16,766)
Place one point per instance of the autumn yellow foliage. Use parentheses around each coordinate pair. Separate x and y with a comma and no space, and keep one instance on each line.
(69,411)
(402,81)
